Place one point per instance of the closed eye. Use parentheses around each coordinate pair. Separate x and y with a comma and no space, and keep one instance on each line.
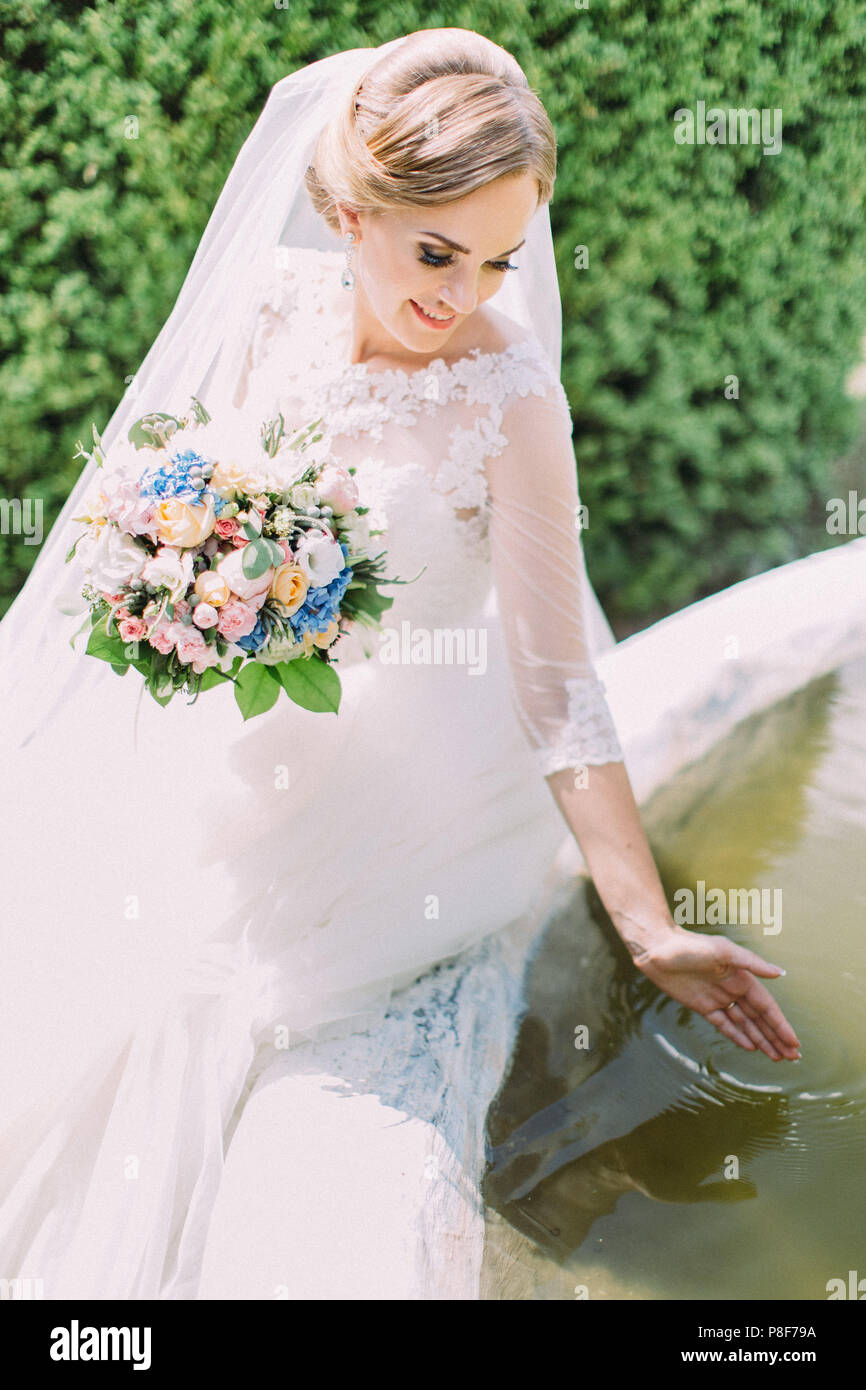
(429,257)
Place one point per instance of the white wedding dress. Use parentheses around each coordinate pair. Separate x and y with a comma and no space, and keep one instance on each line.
(186,893)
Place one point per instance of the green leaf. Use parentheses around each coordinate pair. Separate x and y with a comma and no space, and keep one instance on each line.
(257,689)
(213,676)
(107,647)
(256,558)
(160,699)
(149,431)
(369,601)
(310,683)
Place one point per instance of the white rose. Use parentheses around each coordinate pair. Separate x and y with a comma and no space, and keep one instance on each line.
(304,495)
(110,557)
(320,557)
(231,569)
(169,569)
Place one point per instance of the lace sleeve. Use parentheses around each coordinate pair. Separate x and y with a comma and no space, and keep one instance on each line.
(539,576)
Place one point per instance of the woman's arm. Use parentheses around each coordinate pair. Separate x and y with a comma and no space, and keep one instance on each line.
(709,974)
(538,570)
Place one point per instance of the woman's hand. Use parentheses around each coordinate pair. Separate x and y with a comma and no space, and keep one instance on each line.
(716,978)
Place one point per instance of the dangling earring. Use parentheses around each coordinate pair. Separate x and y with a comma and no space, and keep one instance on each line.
(347,279)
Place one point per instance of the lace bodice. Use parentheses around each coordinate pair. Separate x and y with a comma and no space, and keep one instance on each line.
(469,469)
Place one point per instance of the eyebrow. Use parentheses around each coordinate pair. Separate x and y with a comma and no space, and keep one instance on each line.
(464,251)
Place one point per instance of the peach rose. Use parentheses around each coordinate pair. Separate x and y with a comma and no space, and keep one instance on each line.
(289,587)
(331,633)
(183,524)
(212,588)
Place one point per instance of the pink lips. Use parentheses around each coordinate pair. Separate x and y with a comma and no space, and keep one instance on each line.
(428,322)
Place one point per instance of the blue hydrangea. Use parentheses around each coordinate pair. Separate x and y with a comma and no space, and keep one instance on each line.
(254,639)
(173,480)
(321,605)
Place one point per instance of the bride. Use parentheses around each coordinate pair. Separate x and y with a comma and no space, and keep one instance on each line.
(181,886)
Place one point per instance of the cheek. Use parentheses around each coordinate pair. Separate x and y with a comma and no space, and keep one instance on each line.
(391,280)
(490,285)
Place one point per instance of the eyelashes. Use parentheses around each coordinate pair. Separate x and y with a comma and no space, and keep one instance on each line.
(428,257)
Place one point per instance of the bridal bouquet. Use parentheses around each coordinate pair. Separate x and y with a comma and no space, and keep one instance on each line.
(215,552)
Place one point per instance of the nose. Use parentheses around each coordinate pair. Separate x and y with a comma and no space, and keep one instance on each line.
(460,293)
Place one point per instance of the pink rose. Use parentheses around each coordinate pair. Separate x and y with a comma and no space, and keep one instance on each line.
(126,507)
(204,615)
(132,629)
(163,637)
(236,619)
(226,528)
(337,489)
(193,650)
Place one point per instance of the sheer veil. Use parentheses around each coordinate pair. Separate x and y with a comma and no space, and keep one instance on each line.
(108,800)
(263,206)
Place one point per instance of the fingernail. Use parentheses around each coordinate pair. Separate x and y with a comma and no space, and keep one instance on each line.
(781,971)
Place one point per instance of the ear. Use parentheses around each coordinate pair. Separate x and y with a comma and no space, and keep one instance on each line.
(349,221)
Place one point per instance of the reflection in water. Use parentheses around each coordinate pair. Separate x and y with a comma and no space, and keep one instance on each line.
(660,1160)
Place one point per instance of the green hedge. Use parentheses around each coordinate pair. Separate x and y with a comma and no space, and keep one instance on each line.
(704,261)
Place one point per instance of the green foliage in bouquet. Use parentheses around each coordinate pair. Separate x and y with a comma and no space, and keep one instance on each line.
(263,520)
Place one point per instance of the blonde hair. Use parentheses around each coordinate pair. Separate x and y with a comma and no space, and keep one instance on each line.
(444,114)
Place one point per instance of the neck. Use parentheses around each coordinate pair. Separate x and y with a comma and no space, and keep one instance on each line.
(371,341)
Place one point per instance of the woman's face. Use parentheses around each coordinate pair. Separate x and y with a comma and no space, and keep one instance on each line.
(421,272)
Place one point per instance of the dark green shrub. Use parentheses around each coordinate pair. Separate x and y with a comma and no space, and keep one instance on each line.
(704,261)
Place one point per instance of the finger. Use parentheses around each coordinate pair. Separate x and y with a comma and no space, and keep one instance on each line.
(750,994)
(761,1041)
(760,1017)
(742,957)
(749,1026)
(721,1019)
(763,1002)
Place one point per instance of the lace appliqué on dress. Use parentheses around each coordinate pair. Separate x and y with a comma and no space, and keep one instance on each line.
(296,296)
(589,735)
